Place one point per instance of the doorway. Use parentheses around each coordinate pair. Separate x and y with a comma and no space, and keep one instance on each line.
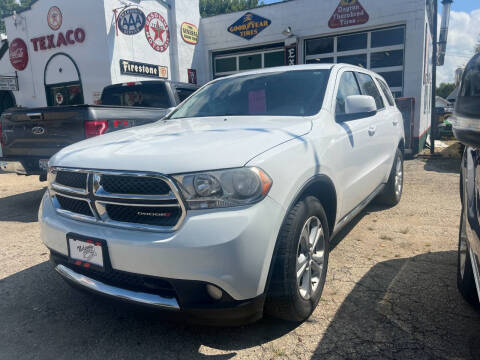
(63,84)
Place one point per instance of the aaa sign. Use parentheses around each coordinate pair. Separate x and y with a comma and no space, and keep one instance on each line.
(348,13)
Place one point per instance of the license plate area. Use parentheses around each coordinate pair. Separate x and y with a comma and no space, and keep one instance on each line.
(87,252)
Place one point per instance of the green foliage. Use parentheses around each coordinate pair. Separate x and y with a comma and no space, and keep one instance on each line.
(445,89)
(8,6)
(216,7)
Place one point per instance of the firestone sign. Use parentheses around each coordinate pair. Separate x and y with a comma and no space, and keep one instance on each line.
(348,13)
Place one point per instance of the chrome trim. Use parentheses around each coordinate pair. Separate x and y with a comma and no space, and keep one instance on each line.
(97,198)
(116,292)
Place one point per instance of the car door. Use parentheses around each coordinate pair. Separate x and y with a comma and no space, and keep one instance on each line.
(380,146)
(353,147)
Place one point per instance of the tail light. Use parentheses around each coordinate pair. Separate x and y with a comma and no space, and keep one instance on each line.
(95,128)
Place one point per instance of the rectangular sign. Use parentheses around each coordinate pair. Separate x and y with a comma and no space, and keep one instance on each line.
(8,83)
(141,69)
(291,55)
(192,76)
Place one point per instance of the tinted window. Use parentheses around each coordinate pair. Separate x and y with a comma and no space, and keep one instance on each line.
(348,86)
(386,59)
(226,64)
(368,87)
(357,60)
(388,37)
(249,62)
(386,92)
(320,46)
(274,59)
(143,95)
(394,78)
(184,93)
(352,42)
(287,93)
(328,60)
(468,101)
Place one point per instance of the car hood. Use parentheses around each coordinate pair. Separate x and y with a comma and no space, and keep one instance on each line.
(183,145)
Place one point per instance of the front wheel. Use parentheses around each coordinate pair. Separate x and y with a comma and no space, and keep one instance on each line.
(300,265)
(465,277)
(392,193)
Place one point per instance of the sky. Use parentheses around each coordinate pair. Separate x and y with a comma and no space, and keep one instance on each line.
(464,33)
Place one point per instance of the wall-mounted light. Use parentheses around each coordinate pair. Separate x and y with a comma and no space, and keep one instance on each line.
(288,31)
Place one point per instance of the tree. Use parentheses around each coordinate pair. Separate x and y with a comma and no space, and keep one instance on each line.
(7,7)
(216,7)
(445,89)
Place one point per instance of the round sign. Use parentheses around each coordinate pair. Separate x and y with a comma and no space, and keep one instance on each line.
(18,54)
(156,31)
(54,18)
(59,98)
(131,21)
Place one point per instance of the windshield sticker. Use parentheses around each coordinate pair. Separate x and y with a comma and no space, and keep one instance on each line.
(257,102)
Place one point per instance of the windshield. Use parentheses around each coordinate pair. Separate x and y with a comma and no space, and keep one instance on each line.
(286,93)
(141,94)
(468,101)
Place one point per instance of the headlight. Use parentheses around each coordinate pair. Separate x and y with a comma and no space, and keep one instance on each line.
(224,188)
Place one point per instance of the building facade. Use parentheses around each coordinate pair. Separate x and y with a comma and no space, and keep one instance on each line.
(103,42)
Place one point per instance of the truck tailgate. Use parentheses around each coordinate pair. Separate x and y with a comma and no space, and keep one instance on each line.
(42,132)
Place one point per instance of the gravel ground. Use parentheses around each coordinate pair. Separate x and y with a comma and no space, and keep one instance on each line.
(390,292)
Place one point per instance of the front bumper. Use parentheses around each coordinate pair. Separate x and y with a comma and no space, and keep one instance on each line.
(231,249)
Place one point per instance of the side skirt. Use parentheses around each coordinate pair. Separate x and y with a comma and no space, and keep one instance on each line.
(476,271)
(352,214)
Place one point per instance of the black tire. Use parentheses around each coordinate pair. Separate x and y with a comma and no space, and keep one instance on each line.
(283,296)
(465,279)
(390,196)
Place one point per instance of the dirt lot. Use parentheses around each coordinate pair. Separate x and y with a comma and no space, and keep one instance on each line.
(390,293)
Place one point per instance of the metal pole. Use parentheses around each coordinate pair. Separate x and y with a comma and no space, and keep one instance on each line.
(433,123)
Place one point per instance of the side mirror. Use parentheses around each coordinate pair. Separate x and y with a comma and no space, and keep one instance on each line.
(358,107)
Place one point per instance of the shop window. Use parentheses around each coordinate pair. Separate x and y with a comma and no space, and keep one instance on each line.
(369,87)
(184,93)
(249,62)
(393,78)
(226,65)
(358,60)
(320,46)
(273,59)
(352,42)
(386,59)
(388,37)
(328,60)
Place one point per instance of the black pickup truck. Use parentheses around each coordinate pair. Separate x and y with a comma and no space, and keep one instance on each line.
(30,136)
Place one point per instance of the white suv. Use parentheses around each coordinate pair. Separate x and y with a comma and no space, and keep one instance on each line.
(225,208)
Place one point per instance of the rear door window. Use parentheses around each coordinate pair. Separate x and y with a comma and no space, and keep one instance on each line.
(138,94)
(386,92)
(368,87)
(348,86)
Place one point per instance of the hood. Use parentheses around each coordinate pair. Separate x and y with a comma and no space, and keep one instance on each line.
(183,145)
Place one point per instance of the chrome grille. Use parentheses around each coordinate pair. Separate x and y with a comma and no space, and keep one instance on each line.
(143,201)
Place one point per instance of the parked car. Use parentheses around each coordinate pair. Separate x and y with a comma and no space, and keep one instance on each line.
(466,127)
(226,207)
(29,137)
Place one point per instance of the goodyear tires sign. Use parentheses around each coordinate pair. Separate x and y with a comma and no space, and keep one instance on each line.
(249,26)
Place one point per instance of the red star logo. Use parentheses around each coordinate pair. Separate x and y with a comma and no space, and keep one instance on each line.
(158,32)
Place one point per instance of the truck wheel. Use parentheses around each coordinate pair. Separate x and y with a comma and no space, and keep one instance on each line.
(300,265)
(392,193)
(465,278)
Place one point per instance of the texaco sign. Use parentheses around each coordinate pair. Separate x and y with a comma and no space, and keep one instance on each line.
(156,31)
(54,18)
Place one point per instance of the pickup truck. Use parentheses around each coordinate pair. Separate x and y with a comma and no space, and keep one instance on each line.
(29,137)
(225,208)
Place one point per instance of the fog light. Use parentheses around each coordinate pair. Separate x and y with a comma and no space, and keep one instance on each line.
(214,292)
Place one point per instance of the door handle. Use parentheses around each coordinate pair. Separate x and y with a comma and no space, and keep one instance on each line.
(371,130)
(395,122)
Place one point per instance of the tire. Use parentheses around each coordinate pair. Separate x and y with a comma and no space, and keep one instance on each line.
(465,278)
(288,298)
(392,193)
